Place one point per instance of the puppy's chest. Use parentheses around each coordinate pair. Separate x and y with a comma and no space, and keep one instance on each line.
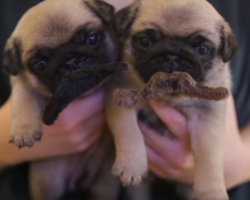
(184,104)
(187,106)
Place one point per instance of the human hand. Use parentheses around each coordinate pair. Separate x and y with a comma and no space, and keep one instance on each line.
(77,128)
(173,159)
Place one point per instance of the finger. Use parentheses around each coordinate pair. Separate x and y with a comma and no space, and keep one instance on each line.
(79,111)
(174,120)
(86,107)
(173,151)
(91,138)
(77,132)
(158,165)
(80,141)
(83,143)
(161,144)
(92,126)
(60,144)
(164,169)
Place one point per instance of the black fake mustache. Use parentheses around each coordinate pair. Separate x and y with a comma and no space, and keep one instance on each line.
(78,83)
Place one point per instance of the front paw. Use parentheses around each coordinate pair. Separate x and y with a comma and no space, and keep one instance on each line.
(130,171)
(25,136)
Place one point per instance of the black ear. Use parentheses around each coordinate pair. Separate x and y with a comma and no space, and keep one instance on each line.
(228,46)
(103,10)
(12,62)
(124,19)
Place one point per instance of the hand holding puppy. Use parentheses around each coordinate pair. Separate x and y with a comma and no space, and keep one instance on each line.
(72,132)
(173,159)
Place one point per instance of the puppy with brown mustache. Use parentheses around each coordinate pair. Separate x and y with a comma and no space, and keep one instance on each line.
(51,45)
(174,38)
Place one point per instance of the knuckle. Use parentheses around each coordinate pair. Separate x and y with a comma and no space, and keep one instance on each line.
(66,125)
(183,164)
(75,139)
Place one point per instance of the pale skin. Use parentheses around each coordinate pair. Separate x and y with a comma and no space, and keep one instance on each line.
(76,129)
(167,158)
(174,160)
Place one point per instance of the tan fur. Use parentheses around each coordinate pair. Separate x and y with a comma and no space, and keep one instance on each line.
(206,119)
(39,27)
(199,16)
(27,109)
(50,24)
(42,21)
(131,160)
(179,17)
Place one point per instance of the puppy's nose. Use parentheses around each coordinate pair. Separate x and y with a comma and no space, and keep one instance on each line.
(172,59)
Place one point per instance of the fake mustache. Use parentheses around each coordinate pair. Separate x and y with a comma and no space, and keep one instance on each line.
(76,84)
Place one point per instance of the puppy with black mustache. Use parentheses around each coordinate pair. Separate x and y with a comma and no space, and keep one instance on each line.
(46,55)
(184,46)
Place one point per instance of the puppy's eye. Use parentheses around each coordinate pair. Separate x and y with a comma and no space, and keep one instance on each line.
(40,66)
(93,39)
(144,42)
(203,50)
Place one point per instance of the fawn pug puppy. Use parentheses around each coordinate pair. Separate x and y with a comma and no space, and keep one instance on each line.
(51,41)
(190,36)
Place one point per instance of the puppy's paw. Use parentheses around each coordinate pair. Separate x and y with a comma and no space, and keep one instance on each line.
(130,172)
(25,136)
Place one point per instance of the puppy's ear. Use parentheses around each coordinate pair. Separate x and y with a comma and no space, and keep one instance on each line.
(124,19)
(228,45)
(103,10)
(12,62)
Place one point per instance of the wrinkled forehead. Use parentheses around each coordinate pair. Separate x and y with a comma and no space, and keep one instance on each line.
(53,24)
(179,18)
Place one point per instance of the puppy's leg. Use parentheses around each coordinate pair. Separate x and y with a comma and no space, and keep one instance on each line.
(139,192)
(106,187)
(27,109)
(207,138)
(183,191)
(97,178)
(131,160)
(48,178)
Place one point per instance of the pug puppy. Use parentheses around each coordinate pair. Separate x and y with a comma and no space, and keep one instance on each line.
(184,36)
(52,41)
(48,43)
